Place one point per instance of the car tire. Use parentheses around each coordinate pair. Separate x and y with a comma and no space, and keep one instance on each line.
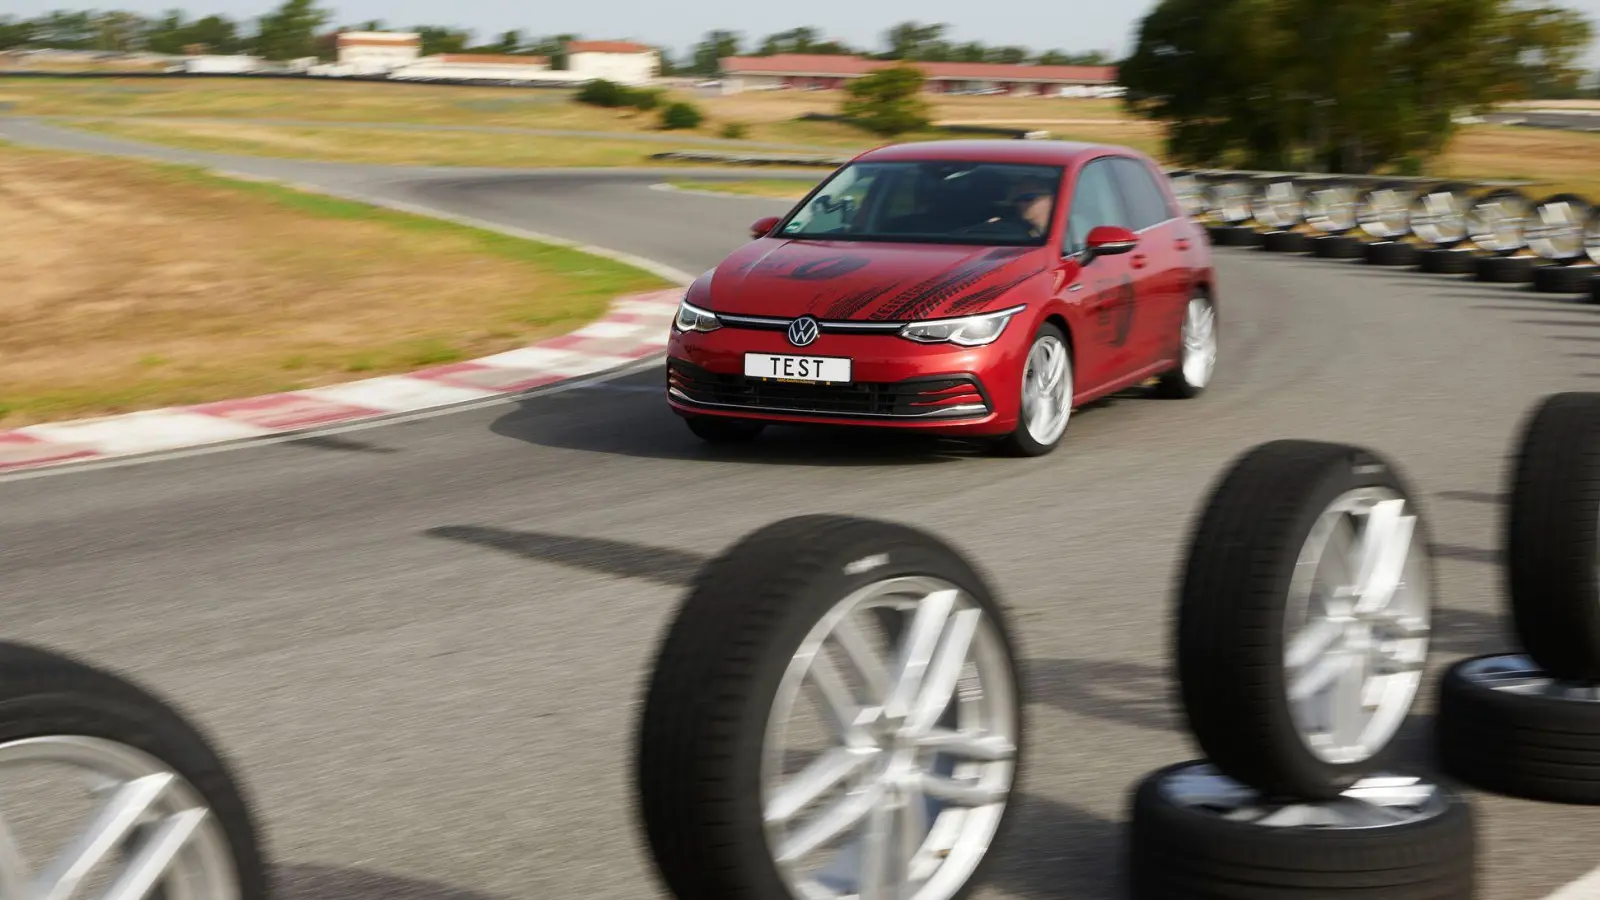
(105,723)
(1492,734)
(1393,253)
(1235,599)
(1182,847)
(722,430)
(1505,269)
(1551,540)
(1573,279)
(730,654)
(1021,441)
(1337,246)
(1594,289)
(1286,242)
(1448,261)
(1233,235)
(1180,383)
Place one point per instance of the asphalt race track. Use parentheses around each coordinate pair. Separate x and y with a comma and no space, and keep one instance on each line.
(424,641)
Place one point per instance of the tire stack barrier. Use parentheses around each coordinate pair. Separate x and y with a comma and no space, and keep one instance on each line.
(1528,724)
(1306,598)
(1493,232)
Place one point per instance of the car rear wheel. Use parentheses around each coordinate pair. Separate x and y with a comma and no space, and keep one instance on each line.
(1046,402)
(717,430)
(1197,351)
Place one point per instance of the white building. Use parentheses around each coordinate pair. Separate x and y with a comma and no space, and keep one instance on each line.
(623,62)
(377,52)
(479,67)
(221,65)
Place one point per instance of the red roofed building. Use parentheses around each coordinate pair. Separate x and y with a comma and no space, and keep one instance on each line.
(819,72)
(623,62)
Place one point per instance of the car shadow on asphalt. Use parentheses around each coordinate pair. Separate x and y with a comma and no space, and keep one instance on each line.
(319,882)
(629,417)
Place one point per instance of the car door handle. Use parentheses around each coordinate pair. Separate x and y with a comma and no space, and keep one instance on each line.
(1138,260)
(1183,243)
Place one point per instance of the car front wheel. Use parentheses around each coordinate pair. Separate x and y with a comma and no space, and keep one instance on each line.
(1046,402)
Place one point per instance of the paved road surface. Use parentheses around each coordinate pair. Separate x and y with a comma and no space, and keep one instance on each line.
(425,641)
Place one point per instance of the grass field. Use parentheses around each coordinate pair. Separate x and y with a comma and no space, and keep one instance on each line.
(197,113)
(132,286)
(776,188)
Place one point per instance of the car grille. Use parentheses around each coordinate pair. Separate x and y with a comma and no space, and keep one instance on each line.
(957,396)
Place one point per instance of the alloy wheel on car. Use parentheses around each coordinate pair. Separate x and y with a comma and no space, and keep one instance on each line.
(1047,390)
(1199,342)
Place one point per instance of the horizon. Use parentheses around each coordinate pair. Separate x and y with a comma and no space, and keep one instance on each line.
(1109,28)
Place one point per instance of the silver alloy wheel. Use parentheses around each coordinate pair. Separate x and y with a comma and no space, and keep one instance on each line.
(152,829)
(1517,674)
(1357,626)
(1373,802)
(1047,390)
(920,746)
(1199,342)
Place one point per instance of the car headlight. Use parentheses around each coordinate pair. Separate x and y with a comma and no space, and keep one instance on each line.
(693,318)
(966,331)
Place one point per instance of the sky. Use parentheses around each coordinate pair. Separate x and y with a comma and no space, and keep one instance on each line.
(1069,25)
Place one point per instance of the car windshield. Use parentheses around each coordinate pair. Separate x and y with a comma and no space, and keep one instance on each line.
(938,201)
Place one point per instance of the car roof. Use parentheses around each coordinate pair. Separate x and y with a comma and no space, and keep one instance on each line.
(1052,153)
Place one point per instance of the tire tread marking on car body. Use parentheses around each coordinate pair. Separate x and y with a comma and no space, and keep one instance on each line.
(851,304)
(1115,318)
(979,298)
(927,296)
(827,268)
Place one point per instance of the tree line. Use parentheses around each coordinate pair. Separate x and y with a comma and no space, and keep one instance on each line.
(299,28)
(1356,86)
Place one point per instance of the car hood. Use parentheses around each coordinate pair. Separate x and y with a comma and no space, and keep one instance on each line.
(848,281)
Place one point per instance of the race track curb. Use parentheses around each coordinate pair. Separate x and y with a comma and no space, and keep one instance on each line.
(635,328)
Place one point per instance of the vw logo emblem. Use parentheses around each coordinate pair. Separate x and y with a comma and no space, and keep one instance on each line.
(803,331)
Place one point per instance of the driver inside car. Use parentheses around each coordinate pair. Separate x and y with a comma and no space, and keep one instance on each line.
(1031,201)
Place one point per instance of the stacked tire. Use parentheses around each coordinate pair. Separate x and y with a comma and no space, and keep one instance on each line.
(900,652)
(1307,591)
(172,818)
(1528,724)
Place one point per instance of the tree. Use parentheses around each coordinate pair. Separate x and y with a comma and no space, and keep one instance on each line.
(888,102)
(441,39)
(1358,86)
(15,32)
(712,50)
(915,41)
(290,31)
(554,47)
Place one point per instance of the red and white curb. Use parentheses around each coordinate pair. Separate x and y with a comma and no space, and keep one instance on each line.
(634,329)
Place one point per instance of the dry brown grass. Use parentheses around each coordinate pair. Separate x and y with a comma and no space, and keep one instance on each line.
(1564,160)
(769,115)
(131,286)
(376,145)
(777,189)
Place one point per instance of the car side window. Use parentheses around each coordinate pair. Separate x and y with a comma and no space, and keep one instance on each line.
(1095,201)
(1147,206)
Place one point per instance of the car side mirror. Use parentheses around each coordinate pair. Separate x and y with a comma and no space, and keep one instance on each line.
(764,226)
(1108,240)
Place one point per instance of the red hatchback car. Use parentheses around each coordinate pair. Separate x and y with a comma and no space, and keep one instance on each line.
(964,288)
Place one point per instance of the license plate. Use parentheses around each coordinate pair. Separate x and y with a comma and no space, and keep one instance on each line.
(813,369)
